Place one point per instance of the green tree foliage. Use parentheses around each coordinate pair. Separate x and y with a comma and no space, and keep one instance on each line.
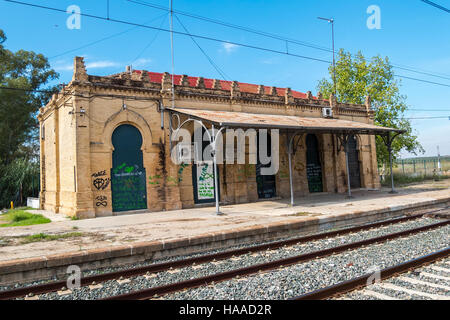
(22,72)
(356,78)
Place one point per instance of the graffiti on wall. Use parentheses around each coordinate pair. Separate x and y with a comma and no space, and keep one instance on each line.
(129,190)
(101,201)
(101,182)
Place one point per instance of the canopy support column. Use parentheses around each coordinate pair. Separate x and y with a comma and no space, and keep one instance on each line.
(388,139)
(216,182)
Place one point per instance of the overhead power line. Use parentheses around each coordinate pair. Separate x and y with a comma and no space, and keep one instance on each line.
(215,66)
(175,32)
(277,37)
(436,5)
(204,37)
(103,39)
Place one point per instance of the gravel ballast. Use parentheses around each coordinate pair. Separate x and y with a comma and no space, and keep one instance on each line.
(284,283)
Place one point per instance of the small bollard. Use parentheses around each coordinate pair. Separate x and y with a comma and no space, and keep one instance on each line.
(12,205)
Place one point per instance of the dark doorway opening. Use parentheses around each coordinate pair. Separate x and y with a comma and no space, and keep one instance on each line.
(128,178)
(353,163)
(265,183)
(313,165)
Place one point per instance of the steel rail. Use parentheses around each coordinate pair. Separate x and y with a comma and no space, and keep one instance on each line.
(201,281)
(362,281)
(159,267)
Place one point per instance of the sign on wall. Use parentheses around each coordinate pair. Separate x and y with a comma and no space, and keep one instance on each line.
(205,180)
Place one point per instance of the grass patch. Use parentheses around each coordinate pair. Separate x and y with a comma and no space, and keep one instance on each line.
(299,214)
(50,237)
(402,179)
(302,214)
(20,217)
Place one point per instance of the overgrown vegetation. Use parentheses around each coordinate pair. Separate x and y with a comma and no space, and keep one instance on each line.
(23,75)
(20,217)
(358,77)
(403,179)
(49,237)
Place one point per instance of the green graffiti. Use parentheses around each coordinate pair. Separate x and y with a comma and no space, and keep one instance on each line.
(283,174)
(129,169)
(205,175)
(245,171)
(180,171)
(152,179)
(116,170)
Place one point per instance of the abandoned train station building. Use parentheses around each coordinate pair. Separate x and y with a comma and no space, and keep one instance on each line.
(106,143)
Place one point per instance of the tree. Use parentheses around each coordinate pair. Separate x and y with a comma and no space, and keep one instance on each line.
(356,78)
(23,75)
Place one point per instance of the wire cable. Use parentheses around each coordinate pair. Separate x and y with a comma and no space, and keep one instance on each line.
(278,37)
(103,39)
(219,71)
(207,38)
(151,41)
(175,32)
(436,5)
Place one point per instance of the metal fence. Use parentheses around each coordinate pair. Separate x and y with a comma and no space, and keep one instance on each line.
(427,166)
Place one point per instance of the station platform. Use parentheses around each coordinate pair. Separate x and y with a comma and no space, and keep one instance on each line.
(116,240)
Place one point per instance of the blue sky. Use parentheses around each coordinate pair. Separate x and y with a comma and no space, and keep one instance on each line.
(412,34)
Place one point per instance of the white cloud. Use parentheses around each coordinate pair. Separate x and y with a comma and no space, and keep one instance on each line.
(229,47)
(102,64)
(90,65)
(67,67)
(142,62)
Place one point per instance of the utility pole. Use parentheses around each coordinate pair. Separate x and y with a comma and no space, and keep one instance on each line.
(171,49)
(439,160)
(332,45)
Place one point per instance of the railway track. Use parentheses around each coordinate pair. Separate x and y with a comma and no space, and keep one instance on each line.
(201,281)
(33,291)
(368,279)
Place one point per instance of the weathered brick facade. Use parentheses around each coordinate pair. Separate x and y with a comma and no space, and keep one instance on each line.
(78,123)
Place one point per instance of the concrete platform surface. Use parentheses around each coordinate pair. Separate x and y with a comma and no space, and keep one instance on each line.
(126,230)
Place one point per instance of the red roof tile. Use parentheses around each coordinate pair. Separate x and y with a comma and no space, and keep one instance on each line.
(225,85)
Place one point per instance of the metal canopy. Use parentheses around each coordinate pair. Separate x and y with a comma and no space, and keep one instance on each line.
(295,126)
(229,119)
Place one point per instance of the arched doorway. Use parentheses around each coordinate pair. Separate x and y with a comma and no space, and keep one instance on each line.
(313,165)
(353,163)
(128,182)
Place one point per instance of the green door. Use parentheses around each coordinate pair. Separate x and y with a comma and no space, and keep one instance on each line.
(128,182)
(313,165)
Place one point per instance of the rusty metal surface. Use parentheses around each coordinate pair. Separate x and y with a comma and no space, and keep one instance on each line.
(53,286)
(360,282)
(253,120)
(197,282)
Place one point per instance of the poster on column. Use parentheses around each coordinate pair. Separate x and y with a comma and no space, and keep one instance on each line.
(205,180)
